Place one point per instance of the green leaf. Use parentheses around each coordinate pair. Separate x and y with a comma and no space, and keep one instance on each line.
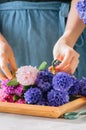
(13,82)
(43,66)
(26,87)
(15,98)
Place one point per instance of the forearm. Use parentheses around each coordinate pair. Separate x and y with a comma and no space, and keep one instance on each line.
(74,26)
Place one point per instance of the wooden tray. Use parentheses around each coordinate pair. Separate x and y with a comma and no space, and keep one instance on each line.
(42,111)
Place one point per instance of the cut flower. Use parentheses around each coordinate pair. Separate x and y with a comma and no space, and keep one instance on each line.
(26,75)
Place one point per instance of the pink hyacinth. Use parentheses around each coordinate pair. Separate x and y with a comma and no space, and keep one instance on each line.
(20,101)
(3,95)
(26,75)
(19,90)
(9,98)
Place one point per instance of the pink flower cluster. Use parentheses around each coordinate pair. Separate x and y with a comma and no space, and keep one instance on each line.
(8,93)
(2,95)
(26,75)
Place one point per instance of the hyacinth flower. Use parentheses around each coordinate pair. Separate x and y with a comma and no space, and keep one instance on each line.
(82,89)
(19,90)
(9,98)
(26,75)
(3,95)
(44,80)
(11,89)
(81,8)
(33,95)
(57,98)
(62,81)
(43,102)
(74,89)
(7,89)
(20,101)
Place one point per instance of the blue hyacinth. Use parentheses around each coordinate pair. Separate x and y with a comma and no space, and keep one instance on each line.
(33,95)
(44,80)
(62,81)
(43,102)
(81,7)
(57,98)
(82,89)
(74,89)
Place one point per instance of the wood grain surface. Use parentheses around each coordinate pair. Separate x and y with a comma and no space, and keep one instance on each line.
(42,111)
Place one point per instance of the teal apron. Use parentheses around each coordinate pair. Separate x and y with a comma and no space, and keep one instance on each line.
(33,28)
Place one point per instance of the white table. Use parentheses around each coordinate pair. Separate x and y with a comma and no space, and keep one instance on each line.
(21,122)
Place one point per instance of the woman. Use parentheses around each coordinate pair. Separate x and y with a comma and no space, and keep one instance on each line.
(30,28)
(63,49)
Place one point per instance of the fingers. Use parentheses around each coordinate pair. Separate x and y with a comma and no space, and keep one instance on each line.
(13,65)
(69,68)
(4,68)
(72,67)
(68,58)
(2,77)
(6,71)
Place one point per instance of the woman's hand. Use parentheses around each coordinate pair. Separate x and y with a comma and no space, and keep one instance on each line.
(6,57)
(64,52)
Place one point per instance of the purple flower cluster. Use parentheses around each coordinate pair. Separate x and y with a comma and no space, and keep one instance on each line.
(74,89)
(57,98)
(62,81)
(44,80)
(82,89)
(81,8)
(43,102)
(33,95)
(53,90)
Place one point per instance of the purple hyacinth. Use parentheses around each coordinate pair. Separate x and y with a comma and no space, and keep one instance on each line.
(44,80)
(57,98)
(81,8)
(33,95)
(82,90)
(75,88)
(7,89)
(43,102)
(62,81)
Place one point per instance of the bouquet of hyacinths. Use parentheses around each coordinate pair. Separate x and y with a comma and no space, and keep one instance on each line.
(41,86)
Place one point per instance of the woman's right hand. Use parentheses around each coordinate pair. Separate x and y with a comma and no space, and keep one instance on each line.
(6,57)
(64,52)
